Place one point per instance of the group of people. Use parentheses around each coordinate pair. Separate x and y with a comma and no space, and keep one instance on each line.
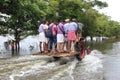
(63,39)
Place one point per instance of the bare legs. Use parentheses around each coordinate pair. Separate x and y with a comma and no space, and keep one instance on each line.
(45,47)
(60,47)
(40,45)
(71,46)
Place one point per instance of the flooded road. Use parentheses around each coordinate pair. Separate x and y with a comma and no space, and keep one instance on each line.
(45,68)
(112,63)
(24,66)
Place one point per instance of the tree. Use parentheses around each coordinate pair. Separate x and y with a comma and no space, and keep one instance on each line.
(114,29)
(89,22)
(70,9)
(52,10)
(25,15)
(102,23)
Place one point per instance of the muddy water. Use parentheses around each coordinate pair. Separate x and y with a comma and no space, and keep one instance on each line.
(112,63)
(45,68)
(24,66)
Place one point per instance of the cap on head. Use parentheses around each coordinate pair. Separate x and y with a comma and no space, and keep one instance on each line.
(73,19)
(67,20)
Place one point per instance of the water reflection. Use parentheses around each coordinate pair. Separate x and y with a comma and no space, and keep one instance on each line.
(112,63)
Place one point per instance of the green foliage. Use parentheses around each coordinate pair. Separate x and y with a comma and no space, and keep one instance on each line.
(89,22)
(70,9)
(114,29)
(102,24)
(26,15)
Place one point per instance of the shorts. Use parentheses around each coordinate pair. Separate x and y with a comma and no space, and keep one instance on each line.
(71,36)
(42,37)
(60,38)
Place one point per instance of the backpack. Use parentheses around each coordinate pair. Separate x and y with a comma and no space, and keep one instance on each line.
(48,32)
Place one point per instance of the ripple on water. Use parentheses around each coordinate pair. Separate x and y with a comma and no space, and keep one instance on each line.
(90,68)
(40,68)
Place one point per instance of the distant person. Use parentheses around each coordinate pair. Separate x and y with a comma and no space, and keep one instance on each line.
(6,44)
(12,46)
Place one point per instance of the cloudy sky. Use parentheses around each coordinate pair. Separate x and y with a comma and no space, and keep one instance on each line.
(112,9)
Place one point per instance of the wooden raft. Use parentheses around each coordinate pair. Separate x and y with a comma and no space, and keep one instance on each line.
(65,54)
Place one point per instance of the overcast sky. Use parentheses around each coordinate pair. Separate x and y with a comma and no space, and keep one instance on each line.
(112,9)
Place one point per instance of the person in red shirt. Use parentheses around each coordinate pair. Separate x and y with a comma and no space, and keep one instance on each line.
(53,39)
(12,46)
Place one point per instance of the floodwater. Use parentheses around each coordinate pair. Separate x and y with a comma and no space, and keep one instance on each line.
(25,66)
(112,63)
(46,68)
